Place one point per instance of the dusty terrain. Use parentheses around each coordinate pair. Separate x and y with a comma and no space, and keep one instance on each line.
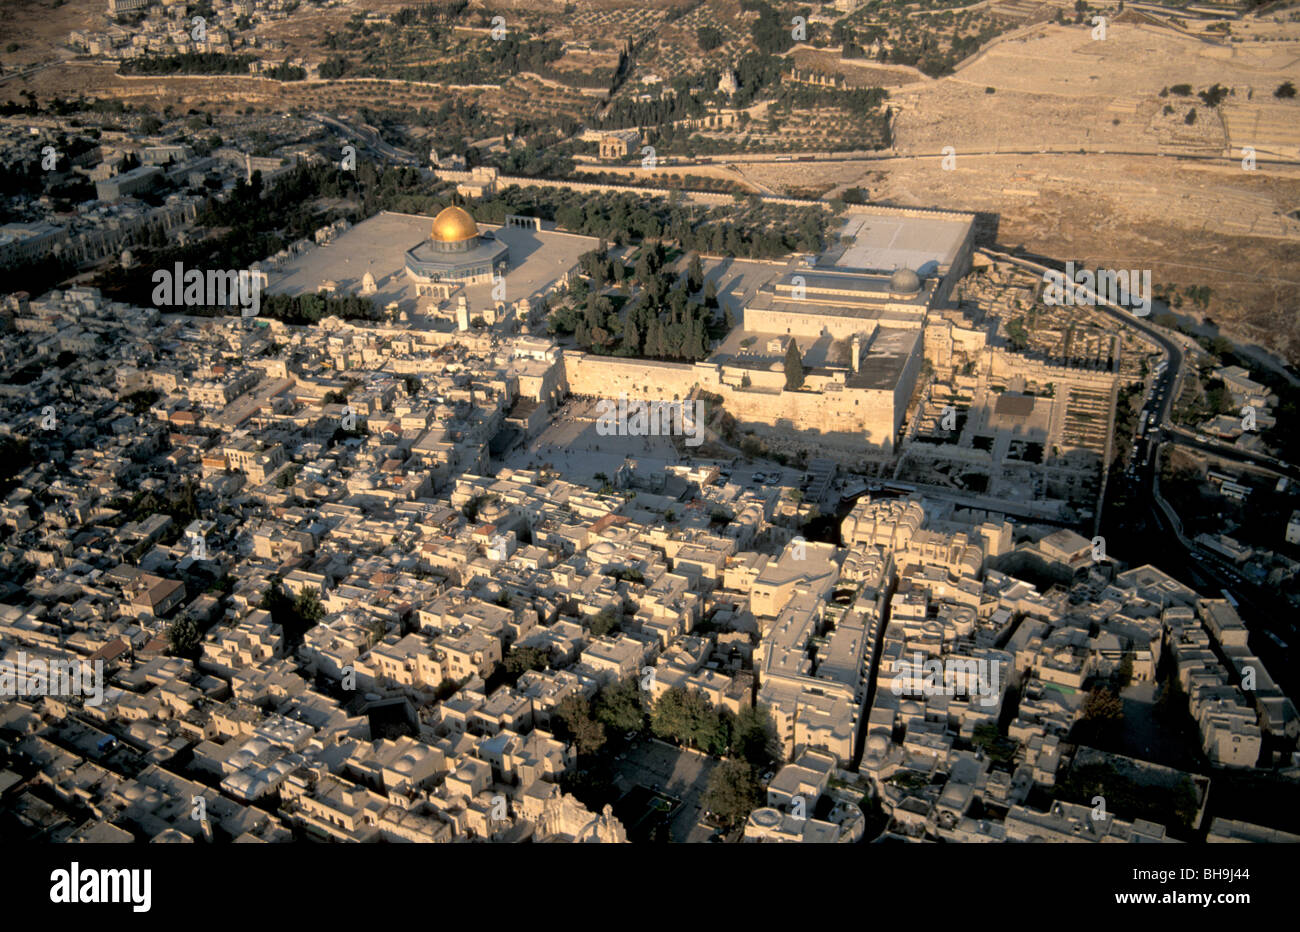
(1202,221)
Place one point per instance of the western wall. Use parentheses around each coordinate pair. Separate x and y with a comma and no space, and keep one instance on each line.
(839,421)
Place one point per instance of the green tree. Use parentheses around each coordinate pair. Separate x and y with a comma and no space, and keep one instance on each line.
(308,607)
(606,621)
(793,367)
(1213,96)
(709,38)
(293,615)
(689,719)
(1102,705)
(184,638)
(522,658)
(1125,672)
(755,738)
(618,705)
(733,792)
(997,747)
(668,716)
(1017,333)
(1103,714)
(573,722)
(695,273)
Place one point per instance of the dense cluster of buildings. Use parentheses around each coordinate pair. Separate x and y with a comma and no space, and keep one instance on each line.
(352,466)
(1252,404)
(157,200)
(164,27)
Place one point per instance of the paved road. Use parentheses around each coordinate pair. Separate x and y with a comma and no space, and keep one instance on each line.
(370,136)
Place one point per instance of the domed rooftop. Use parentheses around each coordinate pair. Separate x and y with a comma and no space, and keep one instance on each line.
(904,281)
(171,836)
(453,225)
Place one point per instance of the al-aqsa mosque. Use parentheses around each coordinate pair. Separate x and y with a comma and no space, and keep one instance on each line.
(456,253)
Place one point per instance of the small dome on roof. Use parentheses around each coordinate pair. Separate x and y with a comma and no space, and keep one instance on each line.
(904,281)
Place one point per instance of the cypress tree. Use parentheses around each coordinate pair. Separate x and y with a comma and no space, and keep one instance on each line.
(793,367)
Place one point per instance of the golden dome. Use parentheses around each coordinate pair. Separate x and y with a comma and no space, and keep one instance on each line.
(454,225)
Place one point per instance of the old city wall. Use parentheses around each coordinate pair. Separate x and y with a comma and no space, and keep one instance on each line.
(608,377)
(840,424)
(1002,364)
(698,197)
(848,421)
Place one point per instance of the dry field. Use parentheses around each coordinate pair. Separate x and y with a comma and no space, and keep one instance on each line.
(37,26)
(1061,84)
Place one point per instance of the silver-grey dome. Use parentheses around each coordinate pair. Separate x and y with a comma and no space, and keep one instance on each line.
(904,281)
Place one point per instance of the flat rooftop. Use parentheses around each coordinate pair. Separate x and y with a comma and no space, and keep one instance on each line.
(882,243)
(883,361)
(818,565)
